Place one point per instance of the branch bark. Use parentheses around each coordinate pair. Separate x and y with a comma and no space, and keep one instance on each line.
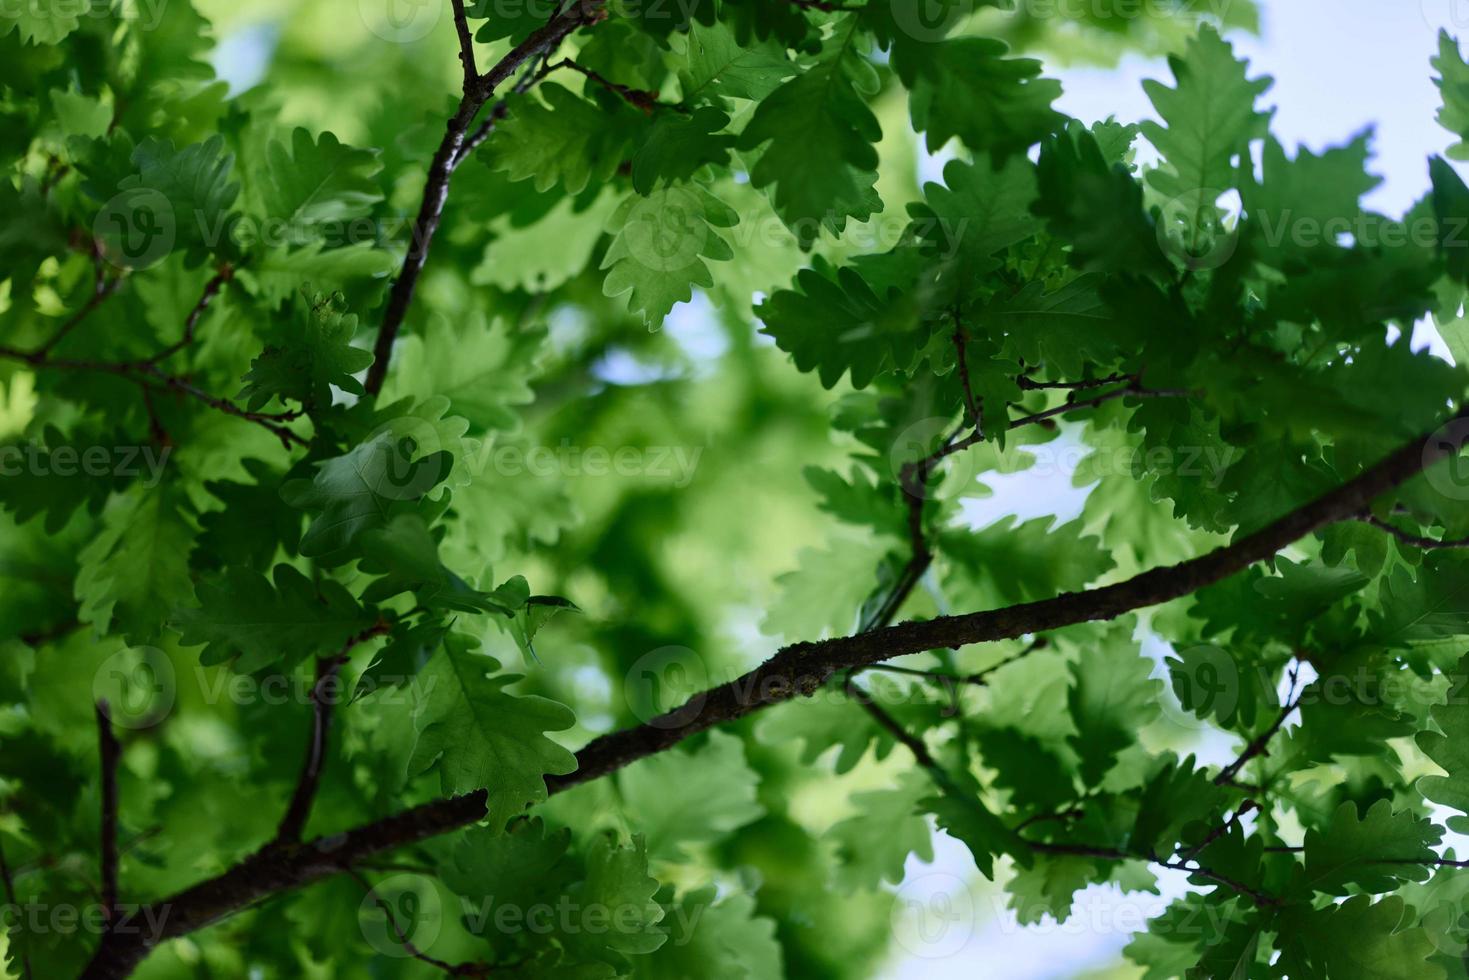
(477,91)
(796,670)
(109,752)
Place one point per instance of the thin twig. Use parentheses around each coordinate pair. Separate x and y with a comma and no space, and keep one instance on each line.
(102,288)
(1131,391)
(978,679)
(1027,383)
(638,98)
(961,341)
(211,289)
(322,700)
(453,970)
(109,752)
(448,157)
(466,46)
(1258,744)
(1115,854)
(1416,540)
(1222,829)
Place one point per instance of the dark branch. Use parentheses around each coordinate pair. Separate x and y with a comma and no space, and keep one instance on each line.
(1258,744)
(446,158)
(109,752)
(796,670)
(1416,540)
(323,697)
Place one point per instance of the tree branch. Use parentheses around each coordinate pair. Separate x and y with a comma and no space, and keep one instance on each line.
(1416,540)
(1258,744)
(447,157)
(796,670)
(109,752)
(328,670)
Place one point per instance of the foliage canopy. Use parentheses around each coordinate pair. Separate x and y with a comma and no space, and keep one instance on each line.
(381,537)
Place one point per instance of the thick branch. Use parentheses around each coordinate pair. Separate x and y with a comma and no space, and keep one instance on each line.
(797,670)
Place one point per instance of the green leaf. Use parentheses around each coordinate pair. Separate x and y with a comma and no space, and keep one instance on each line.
(719,65)
(136,568)
(659,246)
(1449,747)
(1453,83)
(1209,118)
(559,138)
(306,356)
(965,87)
(617,878)
(978,211)
(684,799)
(820,160)
(1356,940)
(363,489)
(723,940)
(187,195)
(873,845)
(677,146)
(1010,562)
(311,184)
(861,320)
(1373,854)
(407,557)
(1111,697)
(478,736)
(252,622)
(514,869)
(41,21)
